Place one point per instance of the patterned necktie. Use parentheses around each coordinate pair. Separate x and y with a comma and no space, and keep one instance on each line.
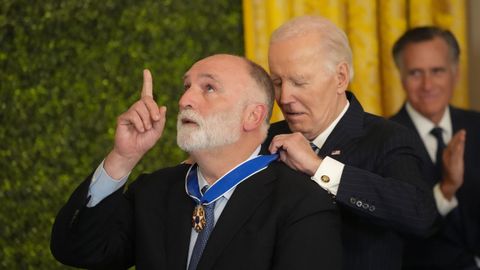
(314,147)
(203,235)
(437,133)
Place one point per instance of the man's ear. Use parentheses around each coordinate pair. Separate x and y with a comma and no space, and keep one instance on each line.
(343,77)
(255,115)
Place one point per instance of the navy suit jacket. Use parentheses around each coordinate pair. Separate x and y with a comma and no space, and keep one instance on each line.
(276,219)
(458,239)
(381,194)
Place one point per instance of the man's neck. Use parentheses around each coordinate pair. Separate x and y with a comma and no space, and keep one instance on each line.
(320,138)
(214,163)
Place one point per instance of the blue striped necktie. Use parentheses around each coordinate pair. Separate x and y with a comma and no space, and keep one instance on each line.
(203,235)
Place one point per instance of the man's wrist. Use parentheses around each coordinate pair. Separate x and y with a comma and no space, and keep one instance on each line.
(118,166)
(314,168)
(448,190)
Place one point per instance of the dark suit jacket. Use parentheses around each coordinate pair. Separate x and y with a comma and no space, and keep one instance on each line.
(381,193)
(458,240)
(277,219)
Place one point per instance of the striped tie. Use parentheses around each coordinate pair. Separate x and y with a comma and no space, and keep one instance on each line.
(314,147)
(203,235)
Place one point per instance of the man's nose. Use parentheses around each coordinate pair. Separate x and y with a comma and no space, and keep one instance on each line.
(188,99)
(427,82)
(284,94)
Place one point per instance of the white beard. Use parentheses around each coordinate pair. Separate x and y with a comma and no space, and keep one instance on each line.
(217,130)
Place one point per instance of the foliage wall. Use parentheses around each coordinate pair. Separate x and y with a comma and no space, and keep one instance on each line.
(67,70)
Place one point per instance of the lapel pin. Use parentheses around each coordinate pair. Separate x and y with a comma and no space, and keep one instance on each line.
(335,152)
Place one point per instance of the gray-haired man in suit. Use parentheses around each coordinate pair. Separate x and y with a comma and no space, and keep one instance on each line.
(368,164)
(427,59)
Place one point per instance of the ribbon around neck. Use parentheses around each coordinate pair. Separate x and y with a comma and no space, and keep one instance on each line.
(228,181)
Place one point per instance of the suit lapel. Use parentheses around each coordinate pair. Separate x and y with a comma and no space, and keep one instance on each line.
(243,203)
(342,138)
(179,225)
(457,120)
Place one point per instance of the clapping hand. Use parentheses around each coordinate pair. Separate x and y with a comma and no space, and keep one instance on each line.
(453,165)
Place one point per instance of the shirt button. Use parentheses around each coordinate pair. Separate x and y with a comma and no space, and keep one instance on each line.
(325,179)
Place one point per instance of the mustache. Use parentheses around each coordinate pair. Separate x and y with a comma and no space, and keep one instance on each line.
(189,115)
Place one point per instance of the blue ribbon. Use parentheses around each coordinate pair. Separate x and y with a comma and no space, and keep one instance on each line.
(228,181)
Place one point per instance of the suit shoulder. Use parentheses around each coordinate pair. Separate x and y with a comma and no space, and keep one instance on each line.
(468,115)
(298,185)
(379,125)
(161,177)
(287,174)
(280,127)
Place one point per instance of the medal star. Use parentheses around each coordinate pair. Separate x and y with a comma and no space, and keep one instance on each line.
(198,218)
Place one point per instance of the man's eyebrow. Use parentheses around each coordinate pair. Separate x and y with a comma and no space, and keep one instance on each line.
(203,75)
(210,76)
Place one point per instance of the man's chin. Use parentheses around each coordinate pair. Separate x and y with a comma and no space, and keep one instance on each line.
(295,126)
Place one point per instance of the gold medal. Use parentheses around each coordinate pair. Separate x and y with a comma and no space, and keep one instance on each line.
(198,218)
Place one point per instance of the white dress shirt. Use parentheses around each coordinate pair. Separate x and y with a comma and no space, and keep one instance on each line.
(329,166)
(424,126)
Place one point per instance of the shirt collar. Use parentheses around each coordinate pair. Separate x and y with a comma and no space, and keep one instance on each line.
(203,182)
(320,140)
(424,125)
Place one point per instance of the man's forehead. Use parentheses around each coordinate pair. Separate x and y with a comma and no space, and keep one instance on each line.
(426,53)
(215,67)
(205,75)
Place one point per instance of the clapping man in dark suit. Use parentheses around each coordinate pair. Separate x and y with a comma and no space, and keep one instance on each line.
(427,59)
(368,164)
(249,212)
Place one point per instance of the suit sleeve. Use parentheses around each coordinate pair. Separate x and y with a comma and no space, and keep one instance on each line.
(311,236)
(99,237)
(386,187)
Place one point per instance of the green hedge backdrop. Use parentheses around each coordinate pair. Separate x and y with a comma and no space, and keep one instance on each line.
(67,70)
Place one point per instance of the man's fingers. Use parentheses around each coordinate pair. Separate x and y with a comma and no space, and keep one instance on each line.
(131,118)
(458,141)
(460,145)
(152,108)
(144,114)
(147,89)
(276,144)
(159,124)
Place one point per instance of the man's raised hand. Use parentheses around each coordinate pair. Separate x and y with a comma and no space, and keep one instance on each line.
(138,129)
(453,165)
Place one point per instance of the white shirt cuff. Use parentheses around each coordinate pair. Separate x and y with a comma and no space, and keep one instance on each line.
(444,206)
(328,174)
(102,185)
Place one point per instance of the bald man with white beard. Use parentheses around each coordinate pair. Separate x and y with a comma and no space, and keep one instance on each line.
(232,209)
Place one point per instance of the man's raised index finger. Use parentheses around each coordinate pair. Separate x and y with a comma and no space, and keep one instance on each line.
(147,89)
